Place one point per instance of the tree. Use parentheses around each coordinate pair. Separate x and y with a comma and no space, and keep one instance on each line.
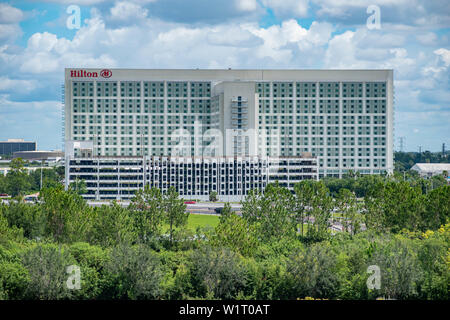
(13,280)
(92,261)
(133,272)
(348,208)
(3,185)
(434,261)
(273,211)
(175,211)
(17,180)
(432,256)
(226,212)
(60,171)
(79,186)
(303,199)
(30,218)
(314,272)
(46,265)
(235,233)
(399,268)
(147,209)
(216,273)
(373,210)
(112,225)
(8,232)
(213,196)
(69,217)
(393,206)
(319,211)
(50,178)
(437,208)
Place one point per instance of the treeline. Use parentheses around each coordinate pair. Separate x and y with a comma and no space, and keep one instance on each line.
(361,184)
(19,182)
(282,246)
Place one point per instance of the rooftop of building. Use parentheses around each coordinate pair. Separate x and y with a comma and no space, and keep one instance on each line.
(431,167)
(230,74)
(40,151)
(17,140)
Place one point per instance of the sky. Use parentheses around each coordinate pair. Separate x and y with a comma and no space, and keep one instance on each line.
(412,38)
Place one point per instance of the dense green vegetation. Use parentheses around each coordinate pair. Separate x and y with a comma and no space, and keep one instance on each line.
(19,182)
(361,184)
(281,247)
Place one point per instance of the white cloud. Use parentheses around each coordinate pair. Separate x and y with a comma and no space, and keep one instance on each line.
(424,14)
(17,85)
(46,53)
(9,31)
(51,106)
(9,23)
(127,11)
(290,32)
(444,54)
(158,44)
(356,49)
(428,39)
(9,14)
(236,36)
(421,72)
(79,2)
(342,8)
(246,5)
(318,35)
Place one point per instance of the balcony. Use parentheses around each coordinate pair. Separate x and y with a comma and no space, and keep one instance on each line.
(242,123)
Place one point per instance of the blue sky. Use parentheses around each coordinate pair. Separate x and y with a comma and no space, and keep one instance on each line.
(36,46)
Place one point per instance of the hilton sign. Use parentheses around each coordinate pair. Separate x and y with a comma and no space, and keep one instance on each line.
(105,73)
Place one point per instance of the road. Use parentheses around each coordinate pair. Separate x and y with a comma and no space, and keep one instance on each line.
(208,208)
(197,208)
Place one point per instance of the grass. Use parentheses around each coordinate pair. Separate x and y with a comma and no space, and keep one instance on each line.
(202,220)
(199,220)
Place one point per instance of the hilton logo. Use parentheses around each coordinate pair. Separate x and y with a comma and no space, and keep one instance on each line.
(105,73)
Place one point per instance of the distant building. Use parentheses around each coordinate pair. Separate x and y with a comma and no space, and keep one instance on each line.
(431,169)
(13,145)
(39,155)
(4,170)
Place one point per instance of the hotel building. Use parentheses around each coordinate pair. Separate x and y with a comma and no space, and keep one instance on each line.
(341,118)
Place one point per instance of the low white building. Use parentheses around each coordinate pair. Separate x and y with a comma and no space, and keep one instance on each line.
(431,169)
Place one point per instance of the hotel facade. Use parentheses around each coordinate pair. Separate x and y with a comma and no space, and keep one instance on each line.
(342,119)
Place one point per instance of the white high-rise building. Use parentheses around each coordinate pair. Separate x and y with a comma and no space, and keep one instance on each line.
(342,117)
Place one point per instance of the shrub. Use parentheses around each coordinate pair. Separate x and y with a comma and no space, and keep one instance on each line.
(133,272)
